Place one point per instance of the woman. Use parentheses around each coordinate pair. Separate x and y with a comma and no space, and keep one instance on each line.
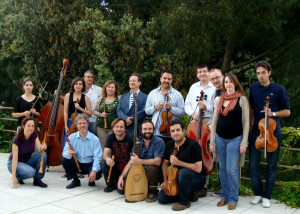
(21,163)
(110,96)
(229,137)
(24,103)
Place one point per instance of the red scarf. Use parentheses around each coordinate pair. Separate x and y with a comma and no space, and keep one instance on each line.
(233,100)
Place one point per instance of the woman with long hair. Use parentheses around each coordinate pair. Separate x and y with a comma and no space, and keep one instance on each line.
(110,100)
(229,137)
(21,163)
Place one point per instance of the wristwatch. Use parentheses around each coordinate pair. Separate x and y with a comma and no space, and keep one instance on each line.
(274,114)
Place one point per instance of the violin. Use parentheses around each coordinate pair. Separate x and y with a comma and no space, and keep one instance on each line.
(166,118)
(73,127)
(266,140)
(199,132)
(171,187)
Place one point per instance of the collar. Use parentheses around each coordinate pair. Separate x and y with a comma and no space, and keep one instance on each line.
(170,91)
(136,92)
(208,85)
(270,85)
(88,136)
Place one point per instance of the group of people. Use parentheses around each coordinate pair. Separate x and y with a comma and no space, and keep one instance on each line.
(105,122)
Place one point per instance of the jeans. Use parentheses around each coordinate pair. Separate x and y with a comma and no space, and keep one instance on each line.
(92,128)
(30,169)
(254,165)
(228,151)
(188,182)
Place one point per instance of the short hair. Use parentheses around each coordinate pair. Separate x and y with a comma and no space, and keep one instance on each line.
(216,69)
(237,85)
(140,78)
(107,83)
(88,71)
(175,122)
(74,81)
(167,71)
(202,65)
(82,116)
(115,121)
(147,121)
(263,64)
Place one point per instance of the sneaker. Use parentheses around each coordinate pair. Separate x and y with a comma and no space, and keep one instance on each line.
(178,207)
(109,189)
(73,184)
(92,184)
(256,200)
(202,192)
(39,182)
(266,203)
(151,198)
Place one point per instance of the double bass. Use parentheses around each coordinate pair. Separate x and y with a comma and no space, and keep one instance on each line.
(136,185)
(199,132)
(52,118)
(266,140)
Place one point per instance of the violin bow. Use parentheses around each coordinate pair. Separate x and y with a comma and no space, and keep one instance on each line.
(39,94)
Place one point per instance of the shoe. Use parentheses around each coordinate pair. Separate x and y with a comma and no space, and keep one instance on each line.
(151,198)
(92,184)
(202,192)
(21,181)
(121,192)
(256,200)
(194,197)
(73,184)
(221,203)
(39,182)
(80,175)
(266,203)
(109,189)
(178,207)
(231,206)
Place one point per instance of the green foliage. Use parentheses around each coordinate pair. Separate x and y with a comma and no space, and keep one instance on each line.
(288,194)
(5,146)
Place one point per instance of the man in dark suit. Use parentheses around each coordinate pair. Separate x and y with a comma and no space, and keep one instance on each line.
(125,109)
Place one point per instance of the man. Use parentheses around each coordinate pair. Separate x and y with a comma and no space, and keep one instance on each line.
(279,107)
(87,150)
(125,108)
(152,153)
(156,103)
(93,92)
(189,162)
(216,78)
(120,145)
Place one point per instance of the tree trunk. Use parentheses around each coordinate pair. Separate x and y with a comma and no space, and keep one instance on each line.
(228,53)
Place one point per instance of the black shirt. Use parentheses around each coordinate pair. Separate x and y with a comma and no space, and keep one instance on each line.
(72,104)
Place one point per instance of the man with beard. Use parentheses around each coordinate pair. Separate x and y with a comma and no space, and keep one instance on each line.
(87,150)
(188,160)
(152,153)
(156,103)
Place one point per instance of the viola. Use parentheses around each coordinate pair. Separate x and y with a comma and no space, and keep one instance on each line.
(166,118)
(52,118)
(171,187)
(266,140)
(73,127)
(199,132)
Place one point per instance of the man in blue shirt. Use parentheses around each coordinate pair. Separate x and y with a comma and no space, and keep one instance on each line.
(151,155)
(279,107)
(87,150)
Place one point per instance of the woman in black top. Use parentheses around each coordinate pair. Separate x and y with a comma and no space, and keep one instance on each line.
(24,103)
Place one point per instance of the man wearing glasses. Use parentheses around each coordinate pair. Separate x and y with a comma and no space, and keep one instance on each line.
(216,78)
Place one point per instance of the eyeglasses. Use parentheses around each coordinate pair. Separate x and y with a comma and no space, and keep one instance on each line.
(216,78)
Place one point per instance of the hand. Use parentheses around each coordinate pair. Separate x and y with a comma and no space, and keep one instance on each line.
(195,117)
(128,121)
(174,160)
(168,106)
(135,159)
(77,105)
(55,92)
(33,111)
(163,185)
(103,114)
(120,183)
(269,111)
(43,146)
(202,105)
(209,126)
(243,149)
(92,176)
(213,148)
(71,152)
(26,113)
(110,162)
(158,106)
(15,182)
(67,131)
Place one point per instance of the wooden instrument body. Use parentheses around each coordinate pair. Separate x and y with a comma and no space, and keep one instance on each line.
(272,142)
(171,187)
(73,127)
(166,118)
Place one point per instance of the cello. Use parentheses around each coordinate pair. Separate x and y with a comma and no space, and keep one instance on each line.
(266,140)
(52,118)
(199,132)
(136,185)
(166,118)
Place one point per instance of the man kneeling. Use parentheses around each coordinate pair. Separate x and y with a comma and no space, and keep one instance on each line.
(87,150)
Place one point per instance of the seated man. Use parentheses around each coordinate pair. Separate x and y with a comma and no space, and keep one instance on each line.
(152,153)
(118,144)
(191,177)
(88,152)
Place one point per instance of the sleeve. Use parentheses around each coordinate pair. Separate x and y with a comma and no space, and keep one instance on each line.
(96,108)
(245,120)
(108,142)
(17,106)
(214,125)
(284,100)
(251,101)
(141,112)
(16,141)
(178,109)
(159,148)
(196,153)
(38,105)
(120,109)
(168,151)
(149,107)
(188,104)
(97,155)
(67,148)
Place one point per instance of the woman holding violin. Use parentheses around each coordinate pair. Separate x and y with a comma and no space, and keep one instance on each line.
(27,104)
(229,137)
(75,101)
(106,109)
(21,163)
(279,107)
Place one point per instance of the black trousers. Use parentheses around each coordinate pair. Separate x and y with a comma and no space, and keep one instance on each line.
(72,170)
(114,177)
